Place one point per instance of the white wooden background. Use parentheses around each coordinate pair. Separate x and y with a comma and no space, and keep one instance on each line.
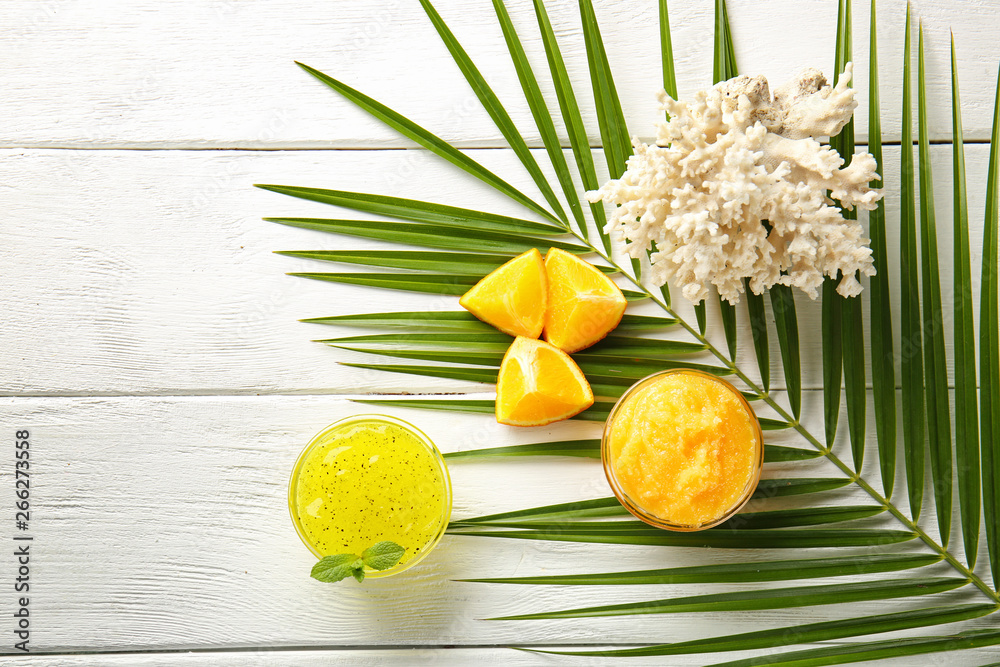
(149,337)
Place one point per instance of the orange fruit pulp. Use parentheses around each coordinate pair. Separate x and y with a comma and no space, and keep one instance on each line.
(513,297)
(584,305)
(539,384)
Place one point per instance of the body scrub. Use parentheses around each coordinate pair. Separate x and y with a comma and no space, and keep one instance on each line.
(369,479)
(682,450)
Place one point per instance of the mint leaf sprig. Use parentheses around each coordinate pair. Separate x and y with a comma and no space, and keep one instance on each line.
(379,556)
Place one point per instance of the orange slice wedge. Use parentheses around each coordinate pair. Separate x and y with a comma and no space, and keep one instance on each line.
(539,384)
(512,298)
(584,305)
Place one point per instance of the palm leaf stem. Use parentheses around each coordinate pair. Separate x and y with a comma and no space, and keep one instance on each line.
(848,470)
(725,359)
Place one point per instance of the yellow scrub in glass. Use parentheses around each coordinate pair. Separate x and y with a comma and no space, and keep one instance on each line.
(682,450)
(367,479)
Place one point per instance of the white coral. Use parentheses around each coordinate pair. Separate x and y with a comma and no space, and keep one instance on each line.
(736,187)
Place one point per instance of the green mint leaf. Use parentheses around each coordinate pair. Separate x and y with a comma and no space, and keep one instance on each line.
(359,573)
(383,555)
(334,568)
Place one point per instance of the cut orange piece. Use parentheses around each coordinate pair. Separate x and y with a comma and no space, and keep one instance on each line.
(584,304)
(539,384)
(512,298)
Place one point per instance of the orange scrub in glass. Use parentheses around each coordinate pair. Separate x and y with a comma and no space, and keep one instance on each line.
(682,450)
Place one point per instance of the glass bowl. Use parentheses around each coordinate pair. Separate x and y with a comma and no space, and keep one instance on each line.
(369,478)
(756,458)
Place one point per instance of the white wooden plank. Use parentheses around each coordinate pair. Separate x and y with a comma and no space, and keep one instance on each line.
(407,657)
(95,73)
(151,272)
(161,524)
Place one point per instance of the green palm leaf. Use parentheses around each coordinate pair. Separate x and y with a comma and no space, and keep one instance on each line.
(596,413)
(461,320)
(540,112)
(431,142)
(623,357)
(989,353)
(729,539)
(494,108)
(455,345)
(758,332)
(892,648)
(779,570)
(787,325)
(580,509)
(966,412)
(781,453)
(800,634)
(778,598)
(467,374)
(724,68)
(833,357)
(882,357)
(667,52)
(417,211)
(912,327)
(669,85)
(572,119)
(433,236)
(602,386)
(442,283)
(458,263)
(797,486)
(592,449)
(788,518)
(614,135)
(832,304)
(588,509)
(851,319)
(935,372)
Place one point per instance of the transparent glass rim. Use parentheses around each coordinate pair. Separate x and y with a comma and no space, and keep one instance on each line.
(646,516)
(431,448)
